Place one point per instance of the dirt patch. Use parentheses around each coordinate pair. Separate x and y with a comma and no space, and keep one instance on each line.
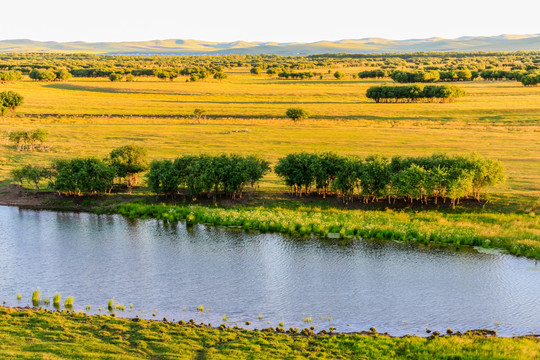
(15,195)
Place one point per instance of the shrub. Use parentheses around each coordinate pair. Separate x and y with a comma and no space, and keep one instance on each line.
(297,114)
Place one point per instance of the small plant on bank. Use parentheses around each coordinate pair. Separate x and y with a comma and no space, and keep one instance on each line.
(56,300)
(68,304)
(35,297)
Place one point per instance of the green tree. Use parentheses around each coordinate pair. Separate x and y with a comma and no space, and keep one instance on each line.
(63,74)
(220,76)
(115,77)
(129,161)
(297,114)
(339,75)
(83,176)
(10,100)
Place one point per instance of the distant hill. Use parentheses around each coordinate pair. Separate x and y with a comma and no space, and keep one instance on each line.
(196,47)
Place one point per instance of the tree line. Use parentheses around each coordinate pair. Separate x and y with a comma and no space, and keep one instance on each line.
(375,177)
(195,175)
(414,93)
(434,75)
(296,75)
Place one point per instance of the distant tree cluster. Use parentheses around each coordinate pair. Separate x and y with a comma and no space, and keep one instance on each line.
(29,140)
(530,79)
(296,75)
(49,75)
(374,74)
(204,174)
(414,93)
(433,76)
(10,75)
(376,177)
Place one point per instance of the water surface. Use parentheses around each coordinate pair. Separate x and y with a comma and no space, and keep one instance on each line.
(398,288)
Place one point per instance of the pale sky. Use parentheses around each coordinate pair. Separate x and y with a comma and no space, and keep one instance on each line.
(270,20)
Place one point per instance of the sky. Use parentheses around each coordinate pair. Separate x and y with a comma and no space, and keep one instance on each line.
(271,20)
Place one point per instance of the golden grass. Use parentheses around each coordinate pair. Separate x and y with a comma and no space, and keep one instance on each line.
(499,120)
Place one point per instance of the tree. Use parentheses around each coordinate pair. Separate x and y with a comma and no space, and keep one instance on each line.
(10,75)
(164,177)
(115,77)
(33,174)
(339,75)
(296,114)
(42,75)
(63,74)
(255,70)
(128,161)
(220,76)
(10,100)
(39,136)
(198,115)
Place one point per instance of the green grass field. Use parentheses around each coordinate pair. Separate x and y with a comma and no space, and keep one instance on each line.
(31,334)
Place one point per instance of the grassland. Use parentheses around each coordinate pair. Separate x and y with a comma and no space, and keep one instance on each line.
(91,116)
(34,334)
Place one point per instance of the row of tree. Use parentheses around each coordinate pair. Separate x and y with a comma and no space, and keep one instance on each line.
(374,74)
(433,76)
(376,177)
(49,75)
(296,75)
(205,174)
(88,175)
(414,93)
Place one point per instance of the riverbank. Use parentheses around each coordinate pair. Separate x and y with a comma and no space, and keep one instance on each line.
(515,233)
(27,333)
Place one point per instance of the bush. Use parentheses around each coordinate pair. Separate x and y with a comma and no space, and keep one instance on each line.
(10,75)
(297,114)
(42,75)
(116,77)
(83,176)
(10,100)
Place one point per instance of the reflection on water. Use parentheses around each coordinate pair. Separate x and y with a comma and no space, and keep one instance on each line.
(395,287)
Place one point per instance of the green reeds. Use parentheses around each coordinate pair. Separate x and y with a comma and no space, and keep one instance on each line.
(110,305)
(35,297)
(68,304)
(492,230)
(56,300)
(19,296)
(200,308)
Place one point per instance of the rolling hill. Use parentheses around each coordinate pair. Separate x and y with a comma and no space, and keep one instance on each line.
(196,47)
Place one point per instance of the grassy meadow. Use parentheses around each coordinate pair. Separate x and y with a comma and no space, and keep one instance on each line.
(245,114)
(35,334)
